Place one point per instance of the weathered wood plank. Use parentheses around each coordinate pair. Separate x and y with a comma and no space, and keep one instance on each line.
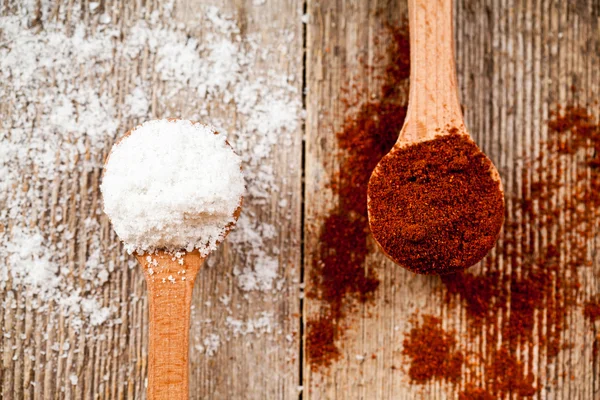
(516,61)
(260,359)
(341,39)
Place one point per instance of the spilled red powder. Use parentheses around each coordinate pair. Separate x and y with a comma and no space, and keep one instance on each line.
(531,281)
(509,376)
(432,352)
(591,310)
(321,342)
(548,238)
(475,393)
(480,293)
(436,207)
(338,275)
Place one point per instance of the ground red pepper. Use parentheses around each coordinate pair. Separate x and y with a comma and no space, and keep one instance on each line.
(432,352)
(591,310)
(507,375)
(550,226)
(434,206)
(320,343)
(503,306)
(475,393)
(338,276)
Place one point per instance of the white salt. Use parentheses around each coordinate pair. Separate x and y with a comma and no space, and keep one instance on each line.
(57,121)
(211,344)
(262,324)
(172,185)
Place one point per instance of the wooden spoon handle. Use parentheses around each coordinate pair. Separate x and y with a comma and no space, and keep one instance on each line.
(169,339)
(170,287)
(433,98)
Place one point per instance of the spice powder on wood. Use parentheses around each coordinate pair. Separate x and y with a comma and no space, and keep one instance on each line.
(432,351)
(435,207)
(548,242)
(503,307)
(339,278)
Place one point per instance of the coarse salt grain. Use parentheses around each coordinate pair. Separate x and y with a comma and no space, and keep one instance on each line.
(57,121)
(172,184)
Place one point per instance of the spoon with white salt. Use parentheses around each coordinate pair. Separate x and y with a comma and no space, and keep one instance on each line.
(173,191)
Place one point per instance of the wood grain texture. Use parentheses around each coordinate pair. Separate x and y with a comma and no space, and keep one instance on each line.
(264,364)
(170,282)
(433,98)
(516,60)
(39,356)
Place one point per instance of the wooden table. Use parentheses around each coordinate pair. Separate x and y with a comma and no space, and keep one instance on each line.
(515,61)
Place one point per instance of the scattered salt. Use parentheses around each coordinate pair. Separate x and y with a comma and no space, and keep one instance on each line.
(172,185)
(57,122)
(211,344)
(260,325)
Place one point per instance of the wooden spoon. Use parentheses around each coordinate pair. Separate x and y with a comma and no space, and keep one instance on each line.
(170,283)
(170,279)
(170,287)
(433,106)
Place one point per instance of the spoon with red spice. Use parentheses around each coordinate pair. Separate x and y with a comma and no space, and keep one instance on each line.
(435,201)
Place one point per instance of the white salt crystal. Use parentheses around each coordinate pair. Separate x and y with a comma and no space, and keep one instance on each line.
(61,119)
(211,344)
(261,324)
(172,185)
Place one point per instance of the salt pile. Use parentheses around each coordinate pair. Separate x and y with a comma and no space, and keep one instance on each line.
(172,185)
(90,80)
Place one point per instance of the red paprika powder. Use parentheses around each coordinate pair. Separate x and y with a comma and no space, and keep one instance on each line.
(591,310)
(435,207)
(505,307)
(475,393)
(432,352)
(338,276)
(549,231)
